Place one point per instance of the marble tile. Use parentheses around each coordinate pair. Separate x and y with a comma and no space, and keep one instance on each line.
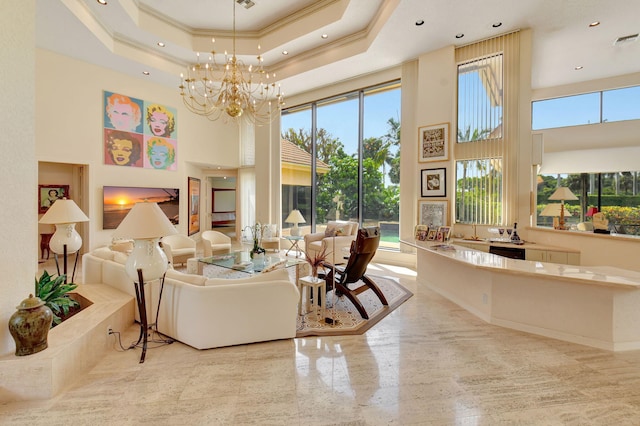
(428,363)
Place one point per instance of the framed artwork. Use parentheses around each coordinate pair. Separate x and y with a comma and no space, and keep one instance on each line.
(446,232)
(431,235)
(194,205)
(48,194)
(433,142)
(421,232)
(433,213)
(433,182)
(117,201)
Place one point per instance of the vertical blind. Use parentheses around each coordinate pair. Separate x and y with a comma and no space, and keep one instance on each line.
(487,130)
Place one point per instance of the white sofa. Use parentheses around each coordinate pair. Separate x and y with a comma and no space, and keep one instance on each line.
(345,232)
(207,313)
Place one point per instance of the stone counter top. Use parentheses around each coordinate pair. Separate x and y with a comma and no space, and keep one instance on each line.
(596,275)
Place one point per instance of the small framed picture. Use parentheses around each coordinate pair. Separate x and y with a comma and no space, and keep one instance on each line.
(421,232)
(48,194)
(433,142)
(445,231)
(433,213)
(433,182)
(432,234)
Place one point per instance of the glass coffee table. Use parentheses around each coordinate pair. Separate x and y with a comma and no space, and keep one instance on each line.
(241,261)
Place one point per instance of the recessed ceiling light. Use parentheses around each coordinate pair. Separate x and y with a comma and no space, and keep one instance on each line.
(102,2)
(579,67)
(594,24)
(285,52)
(161,44)
(419,22)
(325,36)
(145,72)
(459,35)
(497,24)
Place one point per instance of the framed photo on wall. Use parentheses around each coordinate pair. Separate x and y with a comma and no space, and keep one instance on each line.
(433,142)
(433,182)
(48,194)
(433,213)
(193,188)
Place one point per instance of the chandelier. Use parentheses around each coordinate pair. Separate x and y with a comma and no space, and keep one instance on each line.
(231,90)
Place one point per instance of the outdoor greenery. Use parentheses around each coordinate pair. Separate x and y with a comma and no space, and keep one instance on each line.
(619,199)
(381,200)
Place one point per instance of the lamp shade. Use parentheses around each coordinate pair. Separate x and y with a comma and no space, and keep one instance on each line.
(64,214)
(551,210)
(295,217)
(63,211)
(563,193)
(145,221)
(145,224)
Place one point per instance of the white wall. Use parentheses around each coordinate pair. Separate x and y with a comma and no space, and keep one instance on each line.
(19,169)
(69,129)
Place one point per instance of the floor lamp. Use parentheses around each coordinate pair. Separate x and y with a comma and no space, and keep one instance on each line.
(64,214)
(145,224)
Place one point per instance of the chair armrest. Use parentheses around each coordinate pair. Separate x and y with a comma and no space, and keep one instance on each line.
(316,236)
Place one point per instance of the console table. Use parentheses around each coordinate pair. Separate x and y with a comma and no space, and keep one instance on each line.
(591,305)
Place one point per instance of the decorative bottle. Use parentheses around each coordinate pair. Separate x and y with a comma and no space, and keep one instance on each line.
(514,235)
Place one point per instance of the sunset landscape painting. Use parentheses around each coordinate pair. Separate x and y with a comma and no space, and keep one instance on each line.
(118,200)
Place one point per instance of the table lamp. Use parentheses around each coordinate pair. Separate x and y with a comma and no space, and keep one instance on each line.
(145,224)
(552,210)
(562,193)
(64,214)
(295,217)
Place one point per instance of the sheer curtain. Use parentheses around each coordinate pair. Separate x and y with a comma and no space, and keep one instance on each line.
(247,178)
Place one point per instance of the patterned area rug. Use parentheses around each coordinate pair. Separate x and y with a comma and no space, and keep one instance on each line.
(341,317)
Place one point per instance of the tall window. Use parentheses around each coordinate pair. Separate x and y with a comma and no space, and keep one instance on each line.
(354,139)
(487,90)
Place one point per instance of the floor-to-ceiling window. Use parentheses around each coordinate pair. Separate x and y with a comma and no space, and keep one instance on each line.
(354,139)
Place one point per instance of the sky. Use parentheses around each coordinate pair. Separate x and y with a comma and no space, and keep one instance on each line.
(340,118)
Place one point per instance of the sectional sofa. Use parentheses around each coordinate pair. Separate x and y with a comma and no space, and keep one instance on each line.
(207,312)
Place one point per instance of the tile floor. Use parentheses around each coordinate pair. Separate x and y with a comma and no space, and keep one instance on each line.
(428,363)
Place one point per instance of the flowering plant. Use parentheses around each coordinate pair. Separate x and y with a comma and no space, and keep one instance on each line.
(256,233)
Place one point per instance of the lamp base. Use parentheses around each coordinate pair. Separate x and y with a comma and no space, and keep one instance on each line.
(295,231)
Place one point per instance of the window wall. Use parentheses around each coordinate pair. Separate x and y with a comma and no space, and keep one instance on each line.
(344,152)
(587,108)
(616,195)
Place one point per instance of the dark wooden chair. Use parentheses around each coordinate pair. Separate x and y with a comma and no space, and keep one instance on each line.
(362,251)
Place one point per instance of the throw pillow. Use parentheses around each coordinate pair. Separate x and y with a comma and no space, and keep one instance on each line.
(330,231)
(340,231)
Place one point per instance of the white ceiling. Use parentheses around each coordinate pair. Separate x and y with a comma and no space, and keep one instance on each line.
(364,35)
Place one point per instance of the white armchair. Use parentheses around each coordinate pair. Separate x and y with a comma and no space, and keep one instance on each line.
(181,247)
(215,242)
(345,233)
(270,237)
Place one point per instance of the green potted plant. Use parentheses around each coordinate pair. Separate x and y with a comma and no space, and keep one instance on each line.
(53,292)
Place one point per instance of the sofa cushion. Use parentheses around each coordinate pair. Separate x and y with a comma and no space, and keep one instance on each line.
(120,257)
(103,253)
(188,278)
